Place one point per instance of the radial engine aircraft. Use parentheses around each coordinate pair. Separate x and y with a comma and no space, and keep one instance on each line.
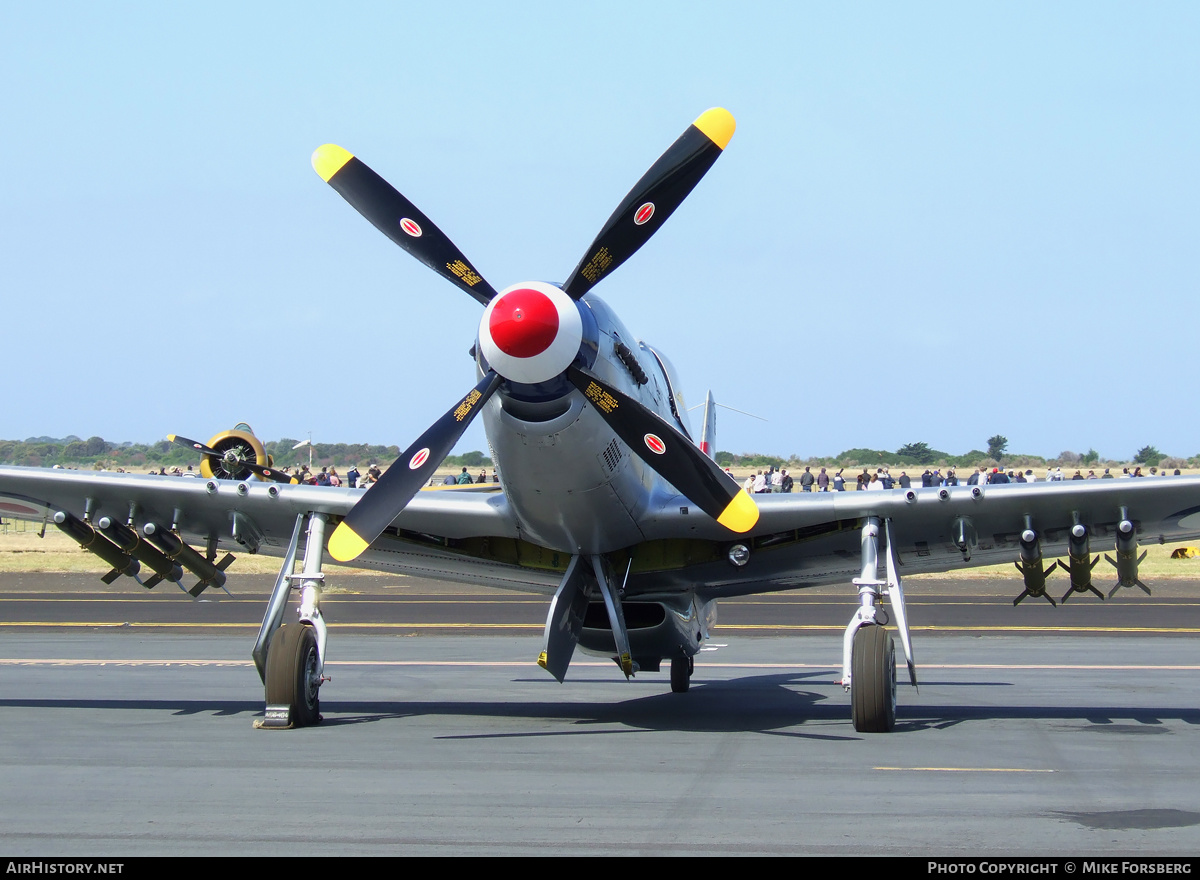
(606,504)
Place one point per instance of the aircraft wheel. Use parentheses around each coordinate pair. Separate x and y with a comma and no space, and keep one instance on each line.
(873,680)
(293,673)
(681,674)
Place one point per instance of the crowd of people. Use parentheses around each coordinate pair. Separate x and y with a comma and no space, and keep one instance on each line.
(328,476)
(353,478)
(779,480)
(764,481)
(465,479)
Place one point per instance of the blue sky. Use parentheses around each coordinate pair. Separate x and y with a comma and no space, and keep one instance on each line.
(935,223)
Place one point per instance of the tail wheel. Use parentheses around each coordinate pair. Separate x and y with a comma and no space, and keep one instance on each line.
(235,447)
(294,673)
(681,674)
(873,680)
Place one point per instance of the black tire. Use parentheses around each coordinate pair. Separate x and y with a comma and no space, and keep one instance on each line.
(681,674)
(293,676)
(873,680)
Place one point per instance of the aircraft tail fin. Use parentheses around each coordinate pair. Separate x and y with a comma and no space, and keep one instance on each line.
(708,435)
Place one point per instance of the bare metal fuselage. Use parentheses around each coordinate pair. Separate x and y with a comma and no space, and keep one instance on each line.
(573,486)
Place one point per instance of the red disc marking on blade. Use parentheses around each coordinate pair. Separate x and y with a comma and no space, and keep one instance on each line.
(654,444)
(523,323)
(411,227)
(644,213)
(419,459)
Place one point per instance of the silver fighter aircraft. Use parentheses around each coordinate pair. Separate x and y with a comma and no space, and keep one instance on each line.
(606,503)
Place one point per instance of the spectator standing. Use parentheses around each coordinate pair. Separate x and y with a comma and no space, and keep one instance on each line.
(806,480)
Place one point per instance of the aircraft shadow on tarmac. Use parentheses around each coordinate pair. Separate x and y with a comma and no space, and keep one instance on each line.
(776,704)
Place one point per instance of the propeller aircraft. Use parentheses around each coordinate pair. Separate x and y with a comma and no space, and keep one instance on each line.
(606,503)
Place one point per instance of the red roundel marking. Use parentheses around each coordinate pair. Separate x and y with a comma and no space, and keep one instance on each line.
(419,459)
(644,213)
(654,444)
(523,323)
(411,227)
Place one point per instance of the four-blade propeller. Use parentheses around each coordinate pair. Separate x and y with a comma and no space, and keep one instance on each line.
(531,333)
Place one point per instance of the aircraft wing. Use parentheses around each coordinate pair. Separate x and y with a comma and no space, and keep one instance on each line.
(256,516)
(805,539)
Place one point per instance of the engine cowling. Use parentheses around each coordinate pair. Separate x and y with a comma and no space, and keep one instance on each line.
(236,446)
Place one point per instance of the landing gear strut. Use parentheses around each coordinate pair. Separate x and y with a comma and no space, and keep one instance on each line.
(868,652)
(291,657)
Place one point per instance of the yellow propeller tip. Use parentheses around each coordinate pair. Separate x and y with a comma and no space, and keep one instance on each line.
(345,545)
(717,124)
(328,159)
(740,514)
(170,438)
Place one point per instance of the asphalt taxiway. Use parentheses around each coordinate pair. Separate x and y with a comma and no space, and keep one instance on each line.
(133,740)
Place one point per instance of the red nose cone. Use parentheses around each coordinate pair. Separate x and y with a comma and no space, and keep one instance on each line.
(523,323)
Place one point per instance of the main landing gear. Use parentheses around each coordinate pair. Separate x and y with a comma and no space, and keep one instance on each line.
(290,657)
(868,651)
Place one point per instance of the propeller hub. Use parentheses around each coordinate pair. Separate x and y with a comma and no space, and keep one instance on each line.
(525,323)
(530,332)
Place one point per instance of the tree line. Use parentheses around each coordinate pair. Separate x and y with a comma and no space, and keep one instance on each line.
(95,452)
(923,455)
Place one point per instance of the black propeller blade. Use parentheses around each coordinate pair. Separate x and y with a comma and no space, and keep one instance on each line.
(653,199)
(265,472)
(645,208)
(375,511)
(398,218)
(670,453)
